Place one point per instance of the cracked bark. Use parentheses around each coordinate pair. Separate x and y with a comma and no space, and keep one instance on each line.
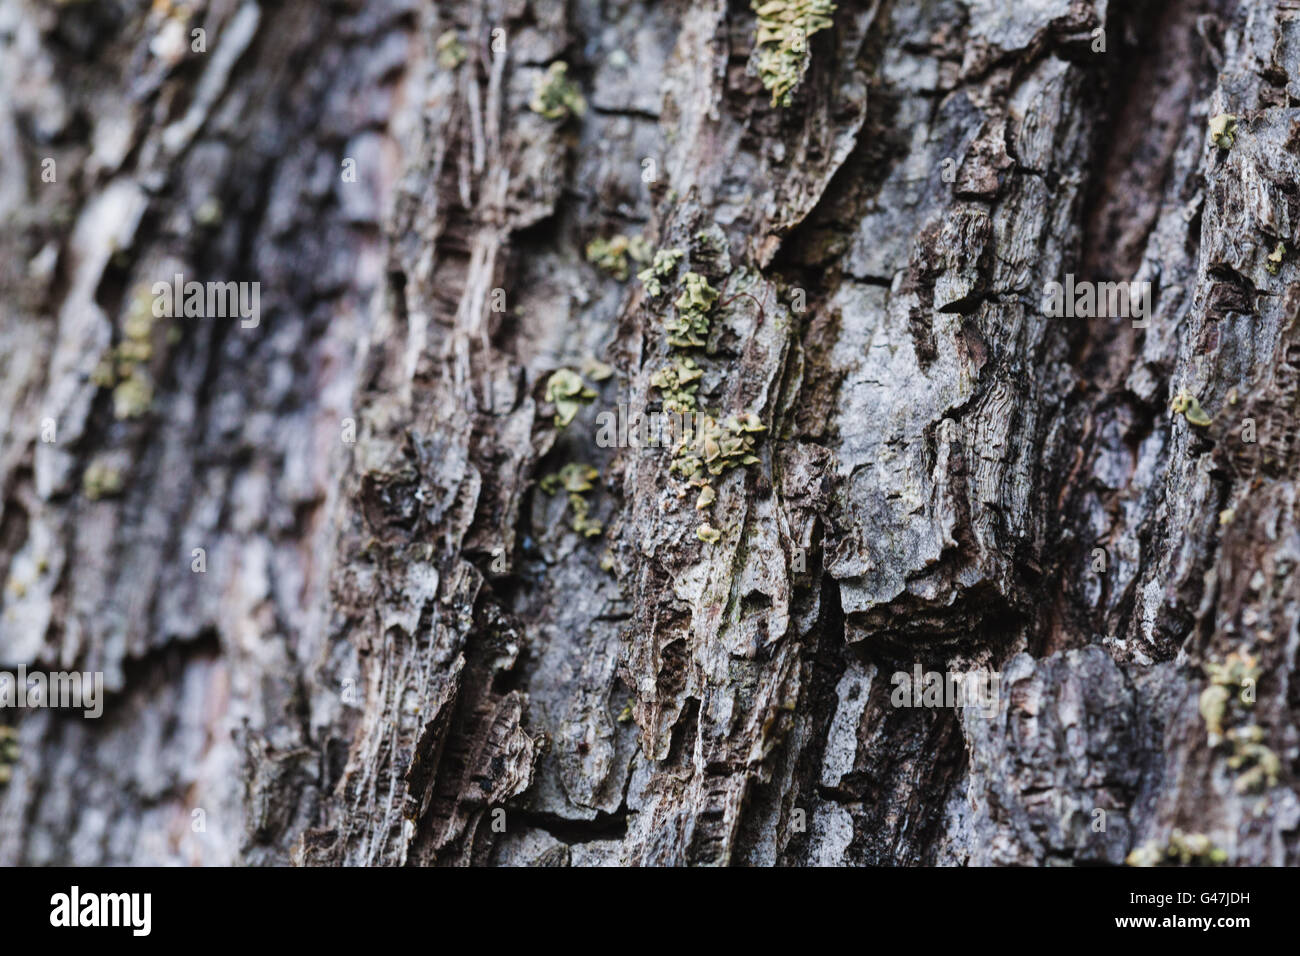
(401,653)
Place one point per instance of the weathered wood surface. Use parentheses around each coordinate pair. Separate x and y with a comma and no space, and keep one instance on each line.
(397,637)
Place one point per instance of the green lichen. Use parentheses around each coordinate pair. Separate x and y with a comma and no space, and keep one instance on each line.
(1185,404)
(577,479)
(8,753)
(104,374)
(661,267)
(1275,259)
(574,477)
(1187,849)
(583,524)
(689,327)
(678,382)
(1238,670)
(1223,130)
(101,480)
(596,370)
(707,448)
(711,244)
(711,450)
(451,52)
(132,396)
(1219,703)
(708,534)
(1227,678)
(1214,706)
(697,294)
(784,27)
(555,96)
(209,214)
(611,255)
(123,368)
(567,392)
(715,448)
(1261,765)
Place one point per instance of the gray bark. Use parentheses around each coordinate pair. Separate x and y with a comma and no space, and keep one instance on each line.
(402,651)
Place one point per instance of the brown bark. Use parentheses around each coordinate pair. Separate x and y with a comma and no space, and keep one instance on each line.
(402,651)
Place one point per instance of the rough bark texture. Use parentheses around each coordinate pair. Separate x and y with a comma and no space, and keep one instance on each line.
(400,637)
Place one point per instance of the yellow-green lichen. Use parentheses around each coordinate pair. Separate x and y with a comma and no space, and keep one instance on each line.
(784,27)
(1186,849)
(576,478)
(1238,671)
(661,267)
(1223,130)
(1213,706)
(555,96)
(451,52)
(611,255)
(567,392)
(1249,753)
(132,396)
(689,327)
(103,373)
(1185,404)
(1275,258)
(678,382)
(706,448)
(8,753)
(209,213)
(1228,678)
(583,523)
(123,368)
(1230,681)
(596,370)
(713,449)
(101,480)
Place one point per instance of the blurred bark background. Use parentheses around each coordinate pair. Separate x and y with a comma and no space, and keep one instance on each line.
(400,651)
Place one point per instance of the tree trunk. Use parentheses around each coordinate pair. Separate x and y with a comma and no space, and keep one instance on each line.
(356,600)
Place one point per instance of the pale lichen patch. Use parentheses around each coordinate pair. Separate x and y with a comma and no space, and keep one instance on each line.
(784,28)
(555,96)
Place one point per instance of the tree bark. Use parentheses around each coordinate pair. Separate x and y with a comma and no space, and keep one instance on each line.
(403,650)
